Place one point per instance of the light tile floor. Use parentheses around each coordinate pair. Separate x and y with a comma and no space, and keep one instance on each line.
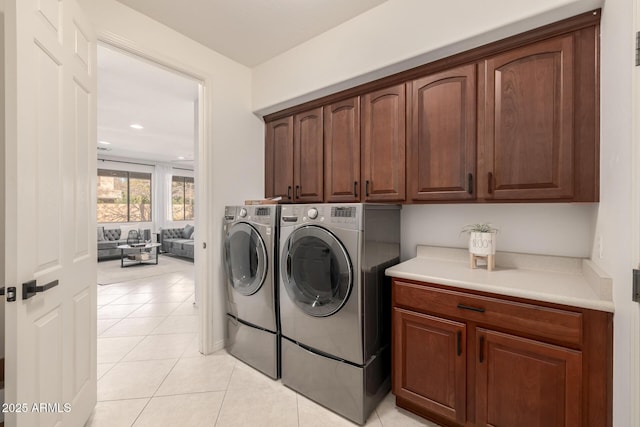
(150,372)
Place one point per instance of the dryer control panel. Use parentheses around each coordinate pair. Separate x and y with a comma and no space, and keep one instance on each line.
(339,214)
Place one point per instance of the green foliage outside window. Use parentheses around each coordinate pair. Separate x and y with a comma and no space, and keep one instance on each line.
(123,196)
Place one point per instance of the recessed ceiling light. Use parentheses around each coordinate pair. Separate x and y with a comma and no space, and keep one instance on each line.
(104,142)
(180,157)
(137,126)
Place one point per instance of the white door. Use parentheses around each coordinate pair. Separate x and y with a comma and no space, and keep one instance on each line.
(50,338)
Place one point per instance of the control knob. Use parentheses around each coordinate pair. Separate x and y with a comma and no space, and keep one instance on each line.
(243,212)
(312,213)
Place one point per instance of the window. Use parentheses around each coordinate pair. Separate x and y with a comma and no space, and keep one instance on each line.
(124,196)
(182,198)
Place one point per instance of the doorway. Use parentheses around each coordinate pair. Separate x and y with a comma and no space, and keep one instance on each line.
(147,168)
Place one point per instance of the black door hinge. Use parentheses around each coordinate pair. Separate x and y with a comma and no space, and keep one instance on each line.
(638,48)
(636,286)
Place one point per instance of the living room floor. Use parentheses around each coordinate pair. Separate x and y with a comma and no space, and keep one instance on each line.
(150,372)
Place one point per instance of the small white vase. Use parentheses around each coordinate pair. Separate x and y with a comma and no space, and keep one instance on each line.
(482,244)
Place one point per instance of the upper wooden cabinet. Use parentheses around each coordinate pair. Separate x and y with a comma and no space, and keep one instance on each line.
(342,151)
(383,144)
(278,169)
(308,156)
(529,112)
(516,120)
(294,158)
(441,144)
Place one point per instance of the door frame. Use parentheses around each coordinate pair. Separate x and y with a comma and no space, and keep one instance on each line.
(635,229)
(203,249)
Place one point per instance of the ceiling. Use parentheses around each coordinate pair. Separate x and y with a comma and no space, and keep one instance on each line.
(251,31)
(134,91)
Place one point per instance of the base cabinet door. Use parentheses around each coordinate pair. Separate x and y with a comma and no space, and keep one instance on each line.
(526,383)
(429,368)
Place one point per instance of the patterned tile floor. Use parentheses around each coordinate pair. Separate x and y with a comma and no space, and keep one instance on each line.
(150,372)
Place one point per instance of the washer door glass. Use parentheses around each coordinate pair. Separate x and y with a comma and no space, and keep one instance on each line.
(316,271)
(246,258)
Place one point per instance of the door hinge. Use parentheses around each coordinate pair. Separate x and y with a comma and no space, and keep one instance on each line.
(636,286)
(638,48)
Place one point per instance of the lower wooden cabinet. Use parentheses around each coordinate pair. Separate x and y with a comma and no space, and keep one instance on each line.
(522,382)
(465,359)
(430,347)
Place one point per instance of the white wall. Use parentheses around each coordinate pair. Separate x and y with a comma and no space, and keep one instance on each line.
(539,228)
(232,167)
(395,36)
(614,221)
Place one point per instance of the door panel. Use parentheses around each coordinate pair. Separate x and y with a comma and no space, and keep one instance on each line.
(430,363)
(50,338)
(529,122)
(308,149)
(383,144)
(442,139)
(279,159)
(342,151)
(526,383)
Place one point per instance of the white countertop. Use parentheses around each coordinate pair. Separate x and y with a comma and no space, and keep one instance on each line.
(562,280)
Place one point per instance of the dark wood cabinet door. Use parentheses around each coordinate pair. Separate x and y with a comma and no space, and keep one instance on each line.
(383,144)
(528,139)
(342,151)
(429,363)
(278,179)
(441,144)
(521,382)
(308,156)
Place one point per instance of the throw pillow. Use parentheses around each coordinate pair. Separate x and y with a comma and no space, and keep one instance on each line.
(193,236)
(100,233)
(188,229)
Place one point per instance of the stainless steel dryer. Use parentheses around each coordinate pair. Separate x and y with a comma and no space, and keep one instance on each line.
(335,303)
(250,249)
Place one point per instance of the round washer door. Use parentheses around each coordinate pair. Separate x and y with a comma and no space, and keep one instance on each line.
(246,258)
(316,271)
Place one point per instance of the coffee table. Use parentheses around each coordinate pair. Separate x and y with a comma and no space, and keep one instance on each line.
(145,254)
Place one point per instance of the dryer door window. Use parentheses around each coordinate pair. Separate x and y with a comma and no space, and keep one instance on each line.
(246,258)
(317,271)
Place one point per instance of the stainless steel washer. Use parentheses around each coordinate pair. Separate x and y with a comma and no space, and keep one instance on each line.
(335,302)
(250,249)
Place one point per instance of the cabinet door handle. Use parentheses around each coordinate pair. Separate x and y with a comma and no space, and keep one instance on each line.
(366,188)
(470,183)
(355,188)
(459,343)
(297,191)
(490,183)
(289,192)
(468,307)
(481,349)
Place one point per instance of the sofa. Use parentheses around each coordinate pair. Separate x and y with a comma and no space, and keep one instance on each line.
(110,239)
(178,241)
